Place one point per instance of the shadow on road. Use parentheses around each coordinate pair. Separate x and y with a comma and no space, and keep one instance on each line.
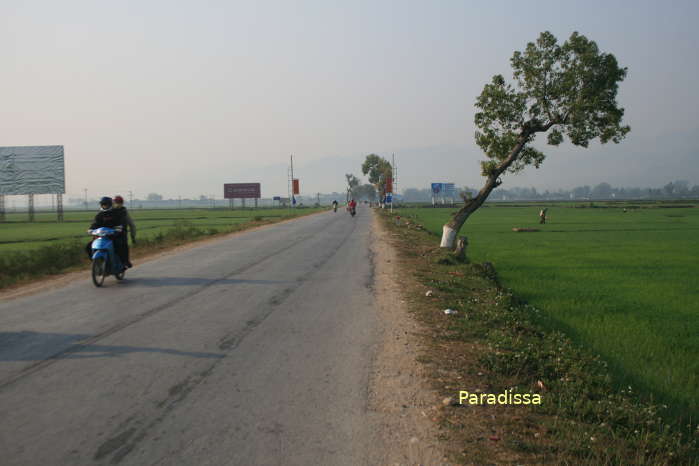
(184,281)
(35,346)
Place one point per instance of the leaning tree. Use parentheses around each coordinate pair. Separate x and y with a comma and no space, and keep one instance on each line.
(564,89)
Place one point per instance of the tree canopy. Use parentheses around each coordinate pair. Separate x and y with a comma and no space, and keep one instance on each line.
(379,170)
(569,89)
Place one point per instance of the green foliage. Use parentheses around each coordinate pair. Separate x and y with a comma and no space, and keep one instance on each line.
(569,88)
(45,247)
(365,192)
(352,181)
(378,168)
(595,410)
(618,283)
(41,261)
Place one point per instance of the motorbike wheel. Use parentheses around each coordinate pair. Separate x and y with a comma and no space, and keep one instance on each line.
(99,271)
(120,275)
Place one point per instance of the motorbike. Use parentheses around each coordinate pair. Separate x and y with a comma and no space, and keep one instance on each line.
(105,261)
(353,211)
(335,208)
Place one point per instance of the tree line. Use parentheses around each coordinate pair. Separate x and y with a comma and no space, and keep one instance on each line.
(680,189)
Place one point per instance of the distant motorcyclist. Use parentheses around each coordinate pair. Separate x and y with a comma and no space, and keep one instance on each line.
(352,207)
(110,218)
(129,227)
(335,206)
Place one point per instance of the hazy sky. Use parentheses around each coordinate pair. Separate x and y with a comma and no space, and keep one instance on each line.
(179,97)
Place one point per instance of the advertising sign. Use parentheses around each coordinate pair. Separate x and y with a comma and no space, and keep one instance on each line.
(277,198)
(32,170)
(296,187)
(241,191)
(444,189)
(389,184)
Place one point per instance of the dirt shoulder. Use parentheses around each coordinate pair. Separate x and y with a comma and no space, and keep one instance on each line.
(493,347)
(399,391)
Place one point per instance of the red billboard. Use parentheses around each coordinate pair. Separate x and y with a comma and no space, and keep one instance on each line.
(389,184)
(241,191)
(295,185)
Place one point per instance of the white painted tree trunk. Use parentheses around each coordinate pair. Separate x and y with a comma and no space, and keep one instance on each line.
(448,237)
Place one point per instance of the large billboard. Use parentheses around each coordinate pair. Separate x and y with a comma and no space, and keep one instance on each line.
(241,191)
(32,170)
(443,189)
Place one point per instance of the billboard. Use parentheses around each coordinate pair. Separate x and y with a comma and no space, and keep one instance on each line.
(32,170)
(241,191)
(295,184)
(444,189)
(389,184)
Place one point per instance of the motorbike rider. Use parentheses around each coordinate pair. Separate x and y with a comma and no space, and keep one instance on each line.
(352,206)
(110,218)
(335,205)
(129,227)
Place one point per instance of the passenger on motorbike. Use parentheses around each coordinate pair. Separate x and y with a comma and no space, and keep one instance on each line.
(129,227)
(110,218)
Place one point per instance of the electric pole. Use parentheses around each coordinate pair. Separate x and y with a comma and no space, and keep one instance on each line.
(293,196)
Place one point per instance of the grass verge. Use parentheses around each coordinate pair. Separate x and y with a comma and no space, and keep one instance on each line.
(497,342)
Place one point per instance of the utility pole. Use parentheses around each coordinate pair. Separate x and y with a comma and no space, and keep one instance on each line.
(292,198)
(393,181)
(85,198)
(130,199)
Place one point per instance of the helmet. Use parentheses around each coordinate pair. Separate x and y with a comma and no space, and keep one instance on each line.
(118,199)
(106,201)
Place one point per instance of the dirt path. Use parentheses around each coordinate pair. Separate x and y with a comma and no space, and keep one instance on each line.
(398,389)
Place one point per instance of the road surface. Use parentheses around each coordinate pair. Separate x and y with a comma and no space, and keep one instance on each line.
(255,349)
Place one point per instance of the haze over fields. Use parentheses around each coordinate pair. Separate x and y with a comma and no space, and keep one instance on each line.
(182,97)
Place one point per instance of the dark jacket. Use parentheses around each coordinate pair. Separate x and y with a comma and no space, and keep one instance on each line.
(108,218)
(129,225)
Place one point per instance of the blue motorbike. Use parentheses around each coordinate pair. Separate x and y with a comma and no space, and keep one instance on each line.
(105,261)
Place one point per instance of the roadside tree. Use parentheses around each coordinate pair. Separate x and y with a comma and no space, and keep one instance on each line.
(379,170)
(564,89)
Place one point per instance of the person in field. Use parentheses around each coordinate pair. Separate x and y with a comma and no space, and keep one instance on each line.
(542,215)
(129,227)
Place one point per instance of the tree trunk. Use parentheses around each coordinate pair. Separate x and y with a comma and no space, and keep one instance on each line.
(450,229)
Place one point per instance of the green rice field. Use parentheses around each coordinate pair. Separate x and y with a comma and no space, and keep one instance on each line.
(623,284)
(17,234)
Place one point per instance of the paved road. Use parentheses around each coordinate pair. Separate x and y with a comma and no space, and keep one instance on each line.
(251,350)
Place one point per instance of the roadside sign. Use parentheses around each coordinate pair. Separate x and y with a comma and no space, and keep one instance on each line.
(241,191)
(295,186)
(277,198)
(389,198)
